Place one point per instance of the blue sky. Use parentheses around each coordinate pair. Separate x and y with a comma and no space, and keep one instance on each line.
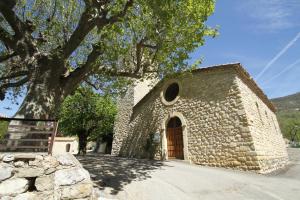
(263,35)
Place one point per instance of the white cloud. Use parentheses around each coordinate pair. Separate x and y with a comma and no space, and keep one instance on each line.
(271,15)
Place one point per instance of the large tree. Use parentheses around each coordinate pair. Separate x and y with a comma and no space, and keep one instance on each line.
(48,48)
(88,116)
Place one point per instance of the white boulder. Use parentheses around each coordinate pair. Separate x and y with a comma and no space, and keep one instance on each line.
(71,176)
(13,186)
(5,171)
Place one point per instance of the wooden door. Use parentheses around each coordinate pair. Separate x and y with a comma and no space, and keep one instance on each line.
(175,142)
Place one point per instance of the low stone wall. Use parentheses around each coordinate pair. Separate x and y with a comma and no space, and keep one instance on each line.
(36,177)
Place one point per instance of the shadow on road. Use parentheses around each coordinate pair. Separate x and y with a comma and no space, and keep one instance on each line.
(116,172)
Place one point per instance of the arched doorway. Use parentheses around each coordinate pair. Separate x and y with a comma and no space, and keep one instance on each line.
(175,138)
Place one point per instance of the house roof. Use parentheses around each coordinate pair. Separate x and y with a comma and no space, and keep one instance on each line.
(241,72)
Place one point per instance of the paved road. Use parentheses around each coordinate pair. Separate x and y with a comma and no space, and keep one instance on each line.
(132,179)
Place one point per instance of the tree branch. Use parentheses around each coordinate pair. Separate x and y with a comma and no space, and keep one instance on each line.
(6,38)
(54,11)
(87,22)
(6,57)
(14,75)
(7,10)
(91,84)
(80,73)
(118,16)
(14,84)
(83,28)
(85,25)
(150,46)
(22,41)
(138,56)
(123,74)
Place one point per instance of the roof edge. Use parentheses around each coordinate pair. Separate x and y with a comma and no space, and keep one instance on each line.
(241,72)
(250,82)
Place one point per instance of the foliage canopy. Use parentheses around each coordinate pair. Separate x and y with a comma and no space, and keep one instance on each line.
(50,47)
(87,113)
(289,121)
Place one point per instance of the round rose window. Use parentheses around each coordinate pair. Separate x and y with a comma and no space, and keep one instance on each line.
(171,92)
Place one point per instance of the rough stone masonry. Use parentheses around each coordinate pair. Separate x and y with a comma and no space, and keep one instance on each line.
(225,121)
(35,177)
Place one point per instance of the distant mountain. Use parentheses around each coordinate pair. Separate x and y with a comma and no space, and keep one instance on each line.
(288,113)
(288,103)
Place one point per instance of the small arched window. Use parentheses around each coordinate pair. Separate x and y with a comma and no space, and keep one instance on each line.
(68,147)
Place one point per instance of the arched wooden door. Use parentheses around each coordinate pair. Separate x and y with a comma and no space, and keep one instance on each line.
(175,138)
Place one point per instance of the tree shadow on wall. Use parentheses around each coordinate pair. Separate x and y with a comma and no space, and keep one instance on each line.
(139,142)
(116,172)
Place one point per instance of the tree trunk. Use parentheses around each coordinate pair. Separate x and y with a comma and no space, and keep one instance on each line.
(98,142)
(82,136)
(41,102)
(43,98)
(46,90)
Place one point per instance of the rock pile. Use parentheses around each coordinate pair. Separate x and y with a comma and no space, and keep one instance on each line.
(36,177)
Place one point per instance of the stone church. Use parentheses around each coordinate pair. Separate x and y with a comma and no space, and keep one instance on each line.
(215,116)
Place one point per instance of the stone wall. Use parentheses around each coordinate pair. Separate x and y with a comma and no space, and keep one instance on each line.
(216,128)
(122,121)
(36,177)
(125,109)
(270,148)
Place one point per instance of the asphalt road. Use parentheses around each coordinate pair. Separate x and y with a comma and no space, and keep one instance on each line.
(133,179)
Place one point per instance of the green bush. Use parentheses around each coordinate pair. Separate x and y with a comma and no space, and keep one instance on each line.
(3,128)
(287,121)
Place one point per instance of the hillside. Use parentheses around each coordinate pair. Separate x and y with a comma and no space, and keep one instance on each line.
(288,113)
(290,102)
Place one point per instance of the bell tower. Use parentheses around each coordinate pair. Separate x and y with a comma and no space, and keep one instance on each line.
(141,87)
(135,92)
